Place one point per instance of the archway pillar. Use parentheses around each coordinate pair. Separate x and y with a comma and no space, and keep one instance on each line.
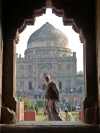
(90,104)
(10,107)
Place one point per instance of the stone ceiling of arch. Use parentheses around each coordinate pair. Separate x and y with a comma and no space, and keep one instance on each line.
(19,11)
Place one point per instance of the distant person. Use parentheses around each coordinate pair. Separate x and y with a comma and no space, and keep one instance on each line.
(39,96)
(68,115)
(33,89)
(51,99)
(24,95)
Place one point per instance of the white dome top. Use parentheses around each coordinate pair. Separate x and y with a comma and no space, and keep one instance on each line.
(46,36)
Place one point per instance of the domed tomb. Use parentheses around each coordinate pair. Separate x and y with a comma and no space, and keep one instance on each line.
(48,36)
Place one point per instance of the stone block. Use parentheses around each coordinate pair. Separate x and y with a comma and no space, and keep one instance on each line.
(92,115)
(8,116)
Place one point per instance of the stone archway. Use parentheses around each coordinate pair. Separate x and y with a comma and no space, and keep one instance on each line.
(86,36)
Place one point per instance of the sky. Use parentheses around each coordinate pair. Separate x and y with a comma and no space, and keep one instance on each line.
(73,37)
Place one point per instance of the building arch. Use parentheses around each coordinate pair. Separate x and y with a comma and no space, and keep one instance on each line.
(43,66)
(42,72)
(86,37)
(60,85)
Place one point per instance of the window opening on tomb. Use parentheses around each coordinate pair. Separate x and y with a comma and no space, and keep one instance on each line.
(60,85)
(30,85)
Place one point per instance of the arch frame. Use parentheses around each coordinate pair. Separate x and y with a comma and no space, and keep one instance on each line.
(66,21)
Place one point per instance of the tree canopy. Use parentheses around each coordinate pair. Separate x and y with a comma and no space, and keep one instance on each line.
(27,103)
(80,72)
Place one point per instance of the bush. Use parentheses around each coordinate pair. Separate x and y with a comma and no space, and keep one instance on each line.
(40,103)
(75,113)
(36,108)
(27,103)
(70,108)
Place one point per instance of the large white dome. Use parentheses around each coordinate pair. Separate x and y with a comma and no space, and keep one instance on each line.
(46,36)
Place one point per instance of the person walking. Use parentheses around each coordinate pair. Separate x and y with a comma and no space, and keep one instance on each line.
(51,100)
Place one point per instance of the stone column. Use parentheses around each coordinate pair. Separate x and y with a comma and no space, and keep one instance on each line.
(9,82)
(90,108)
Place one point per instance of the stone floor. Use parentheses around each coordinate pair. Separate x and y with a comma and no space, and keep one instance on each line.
(50,127)
(49,123)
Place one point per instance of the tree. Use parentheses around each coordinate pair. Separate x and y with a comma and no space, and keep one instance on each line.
(36,108)
(27,103)
(70,107)
(80,73)
(40,103)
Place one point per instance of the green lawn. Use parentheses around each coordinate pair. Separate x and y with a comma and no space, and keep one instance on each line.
(41,117)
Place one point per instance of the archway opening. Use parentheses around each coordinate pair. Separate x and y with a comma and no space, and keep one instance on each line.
(63,64)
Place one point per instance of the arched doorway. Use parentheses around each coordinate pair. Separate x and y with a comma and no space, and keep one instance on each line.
(90,63)
(30,85)
(42,72)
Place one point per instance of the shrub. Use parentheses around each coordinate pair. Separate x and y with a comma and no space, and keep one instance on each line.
(27,103)
(74,113)
(40,103)
(36,108)
(70,108)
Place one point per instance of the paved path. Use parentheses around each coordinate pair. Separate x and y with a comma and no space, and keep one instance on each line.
(53,123)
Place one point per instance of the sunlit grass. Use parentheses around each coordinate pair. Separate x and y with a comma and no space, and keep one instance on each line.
(40,116)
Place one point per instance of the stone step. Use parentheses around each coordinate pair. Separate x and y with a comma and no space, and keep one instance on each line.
(50,127)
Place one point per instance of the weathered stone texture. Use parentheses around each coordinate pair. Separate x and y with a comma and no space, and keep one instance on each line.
(9,77)
(7,115)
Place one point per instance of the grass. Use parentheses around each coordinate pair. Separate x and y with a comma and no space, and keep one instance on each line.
(74,113)
(40,116)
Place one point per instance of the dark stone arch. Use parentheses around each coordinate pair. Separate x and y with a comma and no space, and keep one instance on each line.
(82,20)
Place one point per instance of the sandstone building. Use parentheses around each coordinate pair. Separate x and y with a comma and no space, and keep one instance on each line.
(48,53)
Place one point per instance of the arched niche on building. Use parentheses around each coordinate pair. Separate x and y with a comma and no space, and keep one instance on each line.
(43,70)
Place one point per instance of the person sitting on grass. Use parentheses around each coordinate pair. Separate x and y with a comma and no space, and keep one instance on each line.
(68,115)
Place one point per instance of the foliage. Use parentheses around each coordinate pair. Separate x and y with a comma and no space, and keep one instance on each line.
(27,103)
(80,73)
(36,108)
(74,113)
(70,108)
(40,103)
